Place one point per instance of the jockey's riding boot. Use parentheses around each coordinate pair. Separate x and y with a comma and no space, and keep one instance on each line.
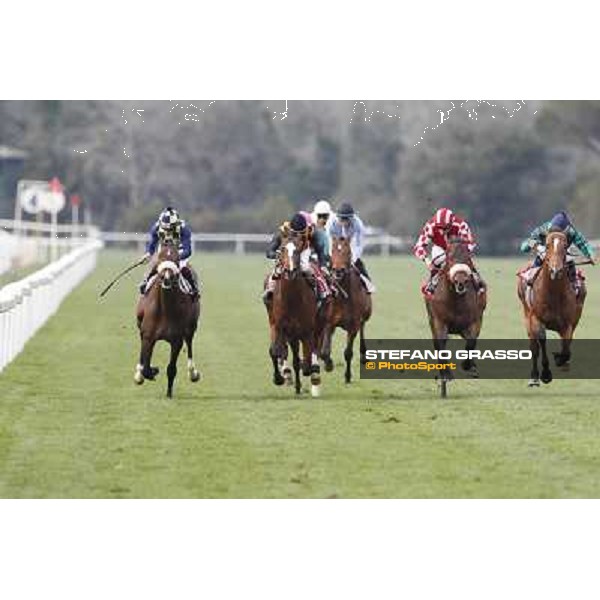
(191,279)
(572,274)
(432,283)
(364,276)
(143,285)
(479,283)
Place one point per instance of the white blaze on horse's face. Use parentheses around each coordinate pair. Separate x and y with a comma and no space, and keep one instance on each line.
(556,262)
(459,276)
(291,249)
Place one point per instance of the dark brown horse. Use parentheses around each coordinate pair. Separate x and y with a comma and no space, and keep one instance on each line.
(293,317)
(351,308)
(551,303)
(456,307)
(166,313)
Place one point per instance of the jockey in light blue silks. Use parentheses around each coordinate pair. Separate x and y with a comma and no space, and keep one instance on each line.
(348,224)
(170,226)
(537,240)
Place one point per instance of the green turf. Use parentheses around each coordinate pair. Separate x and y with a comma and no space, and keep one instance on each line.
(73,423)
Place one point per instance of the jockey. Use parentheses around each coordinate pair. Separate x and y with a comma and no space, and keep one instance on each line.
(537,240)
(300,224)
(348,224)
(442,226)
(170,226)
(322,215)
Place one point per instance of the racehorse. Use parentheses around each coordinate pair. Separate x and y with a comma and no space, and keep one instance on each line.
(551,303)
(456,306)
(293,317)
(351,307)
(167,313)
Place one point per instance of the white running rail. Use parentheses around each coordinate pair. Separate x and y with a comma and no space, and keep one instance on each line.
(27,304)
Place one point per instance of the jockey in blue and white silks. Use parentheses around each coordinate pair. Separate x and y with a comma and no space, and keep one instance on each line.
(348,224)
(170,227)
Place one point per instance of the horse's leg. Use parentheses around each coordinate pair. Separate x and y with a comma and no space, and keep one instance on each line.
(143,369)
(533,327)
(349,353)
(546,372)
(363,345)
(471,335)
(275,354)
(172,367)
(326,347)
(192,370)
(562,358)
(315,372)
(295,345)
(306,358)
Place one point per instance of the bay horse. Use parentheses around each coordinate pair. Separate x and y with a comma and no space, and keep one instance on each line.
(166,313)
(456,306)
(551,303)
(351,307)
(293,317)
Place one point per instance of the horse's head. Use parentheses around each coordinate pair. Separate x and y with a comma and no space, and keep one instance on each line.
(556,253)
(292,246)
(341,256)
(168,264)
(459,265)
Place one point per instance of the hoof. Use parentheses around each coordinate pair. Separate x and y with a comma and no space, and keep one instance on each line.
(546,377)
(138,378)
(534,383)
(195,376)
(315,390)
(328,364)
(278,379)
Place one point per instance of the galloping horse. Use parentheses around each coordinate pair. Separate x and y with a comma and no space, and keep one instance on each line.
(293,317)
(351,308)
(166,313)
(551,303)
(456,307)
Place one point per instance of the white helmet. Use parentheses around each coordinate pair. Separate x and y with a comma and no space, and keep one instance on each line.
(322,207)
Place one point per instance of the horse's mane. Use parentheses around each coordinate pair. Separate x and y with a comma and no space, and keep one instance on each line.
(458,251)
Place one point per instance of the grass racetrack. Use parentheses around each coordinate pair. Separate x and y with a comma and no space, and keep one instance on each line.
(73,423)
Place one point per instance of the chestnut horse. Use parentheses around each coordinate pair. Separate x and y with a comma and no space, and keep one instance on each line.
(351,307)
(456,307)
(293,317)
(166,313)
(551,303)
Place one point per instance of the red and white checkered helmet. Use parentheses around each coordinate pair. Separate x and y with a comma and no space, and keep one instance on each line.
(444,217)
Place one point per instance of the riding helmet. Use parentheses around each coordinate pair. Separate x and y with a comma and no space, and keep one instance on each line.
(444,217)
(345,211)
(560,220)
(169,219)
(298,223)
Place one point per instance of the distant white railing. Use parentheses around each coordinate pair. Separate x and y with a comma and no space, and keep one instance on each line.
(239,241)
(27,304)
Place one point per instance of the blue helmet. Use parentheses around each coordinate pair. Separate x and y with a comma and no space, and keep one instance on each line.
(345,211)
(298,223)
(560,221)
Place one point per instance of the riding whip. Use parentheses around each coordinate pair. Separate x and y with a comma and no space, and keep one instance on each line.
(122,274)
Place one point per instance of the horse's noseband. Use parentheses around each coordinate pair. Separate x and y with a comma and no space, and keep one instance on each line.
(170,267)
(457,269)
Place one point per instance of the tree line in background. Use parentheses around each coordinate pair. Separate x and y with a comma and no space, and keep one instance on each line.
(247,165)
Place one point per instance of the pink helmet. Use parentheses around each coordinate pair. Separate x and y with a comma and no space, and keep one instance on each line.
(307,216)
(444,217)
